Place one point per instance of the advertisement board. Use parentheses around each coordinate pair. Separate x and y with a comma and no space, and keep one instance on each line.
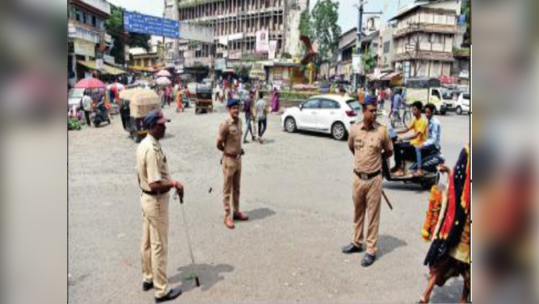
(262,41)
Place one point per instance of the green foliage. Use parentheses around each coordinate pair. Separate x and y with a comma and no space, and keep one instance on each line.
(114,26)
(368,60)
(305,24)
(326,31)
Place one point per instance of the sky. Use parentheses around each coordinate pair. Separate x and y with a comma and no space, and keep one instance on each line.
(348,13)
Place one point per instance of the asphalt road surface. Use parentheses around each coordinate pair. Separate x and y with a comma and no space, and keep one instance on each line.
(296,189)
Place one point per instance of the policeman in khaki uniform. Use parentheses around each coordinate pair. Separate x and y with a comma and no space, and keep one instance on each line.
(229,142)
(369,141)
(156,183)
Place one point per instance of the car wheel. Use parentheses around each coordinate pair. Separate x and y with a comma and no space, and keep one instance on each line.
(338,131)
(459,110)
(290,125)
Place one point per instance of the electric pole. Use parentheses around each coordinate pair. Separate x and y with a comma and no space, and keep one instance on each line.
(175,42)
(361,12)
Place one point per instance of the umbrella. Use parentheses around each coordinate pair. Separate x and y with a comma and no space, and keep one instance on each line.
(163,73)
(118,86)
(163,81)
(90,83)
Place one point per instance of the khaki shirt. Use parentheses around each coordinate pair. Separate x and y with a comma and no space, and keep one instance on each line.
(368,146)
(230,133)
(151,163)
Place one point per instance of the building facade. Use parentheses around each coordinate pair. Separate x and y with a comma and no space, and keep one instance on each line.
(424,38)
(148,60)
(236,24)
(87,38)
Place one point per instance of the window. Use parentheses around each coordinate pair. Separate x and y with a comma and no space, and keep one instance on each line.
(329,104)
(436,38)
(436,94)
(311,104)
(387,45)
(79,15)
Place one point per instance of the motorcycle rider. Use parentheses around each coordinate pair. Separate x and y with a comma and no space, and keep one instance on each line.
(433,138)
(406,144)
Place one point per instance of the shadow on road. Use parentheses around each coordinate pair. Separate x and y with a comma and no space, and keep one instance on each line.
(268,141)
(450,293)
(402,186)
(260,213)
(208,275)
(388,243)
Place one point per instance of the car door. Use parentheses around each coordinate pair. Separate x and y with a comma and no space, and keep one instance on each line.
(328,113)
(308,114)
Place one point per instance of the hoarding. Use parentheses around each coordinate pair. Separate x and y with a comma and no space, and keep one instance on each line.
(145,24)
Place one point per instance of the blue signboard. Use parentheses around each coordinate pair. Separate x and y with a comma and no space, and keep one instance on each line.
(145,24)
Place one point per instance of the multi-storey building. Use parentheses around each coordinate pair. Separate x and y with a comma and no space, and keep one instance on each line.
(423,38)
(87,38)
(235,24)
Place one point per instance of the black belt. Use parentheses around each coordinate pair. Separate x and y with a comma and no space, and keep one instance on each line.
(367,176)
(154,192)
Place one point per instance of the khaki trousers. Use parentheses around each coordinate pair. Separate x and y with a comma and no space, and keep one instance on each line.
(231,187)
(367,197)
(155,242)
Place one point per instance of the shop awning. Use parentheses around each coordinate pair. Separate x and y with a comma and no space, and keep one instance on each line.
(107,69)
(390,76)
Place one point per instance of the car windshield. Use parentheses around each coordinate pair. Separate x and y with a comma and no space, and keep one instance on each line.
(354,104)
(447,94)
(76,93)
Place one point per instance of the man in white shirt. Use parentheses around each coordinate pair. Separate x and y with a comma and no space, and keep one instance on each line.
(261,109)
(87,107)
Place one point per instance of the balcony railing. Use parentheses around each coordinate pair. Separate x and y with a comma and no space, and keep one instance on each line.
(78,31)
(101,5)
(426,28)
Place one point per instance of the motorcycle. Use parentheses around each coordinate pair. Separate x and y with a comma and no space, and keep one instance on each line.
(431,158)
(100,114)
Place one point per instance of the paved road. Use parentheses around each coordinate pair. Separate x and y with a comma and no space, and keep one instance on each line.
(296,189)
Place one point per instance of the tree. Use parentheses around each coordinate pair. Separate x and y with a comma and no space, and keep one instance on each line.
(305,24)
(114,27)
(326,31)
(467,11)
(368,60)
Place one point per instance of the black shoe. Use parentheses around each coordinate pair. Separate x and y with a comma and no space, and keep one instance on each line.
(368,260)
(173,294)
(147,286)
(351,248)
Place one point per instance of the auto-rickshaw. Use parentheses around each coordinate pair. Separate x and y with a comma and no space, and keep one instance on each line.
(203,99)
(140,102)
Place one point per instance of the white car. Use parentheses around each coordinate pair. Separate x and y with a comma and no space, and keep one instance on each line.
(463,103)
(330,114)
(74,98)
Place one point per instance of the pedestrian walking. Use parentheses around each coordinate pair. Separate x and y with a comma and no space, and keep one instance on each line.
(155,182)
(275,100)
(449,254)
(168,94)
(229,142)
(369,142)
(179,101)
(248,108)
(382,97)
(262,110)
(87,107)
(162,97)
